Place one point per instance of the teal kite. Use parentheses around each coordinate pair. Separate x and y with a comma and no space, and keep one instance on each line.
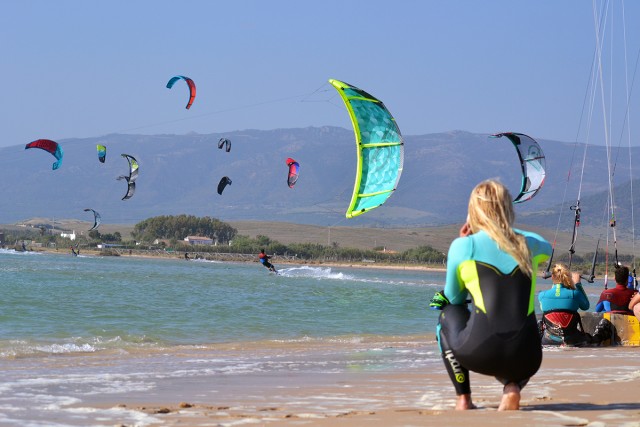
(102,153)
(380,149)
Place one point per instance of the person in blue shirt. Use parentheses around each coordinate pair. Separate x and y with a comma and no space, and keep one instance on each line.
(561,323)
(495,265)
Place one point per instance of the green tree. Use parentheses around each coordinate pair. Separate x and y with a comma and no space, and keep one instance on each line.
(180,226)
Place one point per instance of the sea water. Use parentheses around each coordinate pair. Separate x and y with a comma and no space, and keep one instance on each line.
(76,332)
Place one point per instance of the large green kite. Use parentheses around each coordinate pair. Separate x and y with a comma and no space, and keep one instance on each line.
(380,149)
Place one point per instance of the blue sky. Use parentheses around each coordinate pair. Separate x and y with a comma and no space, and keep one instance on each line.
(75,69)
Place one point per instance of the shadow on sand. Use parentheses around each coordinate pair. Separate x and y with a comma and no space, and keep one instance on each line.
(582,407)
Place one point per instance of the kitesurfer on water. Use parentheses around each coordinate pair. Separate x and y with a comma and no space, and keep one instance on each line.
(496,265)
(616,300)
(264,259)
(561,323)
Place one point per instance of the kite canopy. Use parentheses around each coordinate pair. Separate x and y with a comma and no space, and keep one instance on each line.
(190,83)
(294,168)
(532,162)
(224,142)
(102,153)
(223,183)
(133,175)
(380,149)
(49,146)
(96,218)
(131,188)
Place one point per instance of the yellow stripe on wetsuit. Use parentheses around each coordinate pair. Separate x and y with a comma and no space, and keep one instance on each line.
(468,274)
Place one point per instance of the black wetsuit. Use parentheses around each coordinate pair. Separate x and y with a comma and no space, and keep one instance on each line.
(499,335)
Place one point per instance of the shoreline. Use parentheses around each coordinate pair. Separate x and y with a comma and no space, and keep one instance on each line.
(175,256)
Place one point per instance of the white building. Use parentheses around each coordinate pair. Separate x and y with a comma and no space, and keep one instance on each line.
(70,236)
(198,240)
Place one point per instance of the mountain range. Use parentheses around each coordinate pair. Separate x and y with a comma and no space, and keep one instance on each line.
(179,174)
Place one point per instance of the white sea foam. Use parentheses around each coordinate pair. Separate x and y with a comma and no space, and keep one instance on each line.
(210,261)
(328,273)
(66,348)
(305,339)
(73,345)
(83,415)
(313,272)
(21,253)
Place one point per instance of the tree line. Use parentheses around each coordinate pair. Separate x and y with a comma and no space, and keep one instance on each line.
(173,229)
(180,226)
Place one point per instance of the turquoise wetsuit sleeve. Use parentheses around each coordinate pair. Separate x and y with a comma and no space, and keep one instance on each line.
(583,300)
(454,288)
(539,247)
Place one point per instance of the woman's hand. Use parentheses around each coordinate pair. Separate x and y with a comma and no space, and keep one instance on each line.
(575,278)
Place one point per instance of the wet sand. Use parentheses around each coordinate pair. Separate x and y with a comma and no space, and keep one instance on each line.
(574,387)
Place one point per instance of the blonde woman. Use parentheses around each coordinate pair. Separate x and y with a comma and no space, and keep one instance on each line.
(495,264)
(561,324)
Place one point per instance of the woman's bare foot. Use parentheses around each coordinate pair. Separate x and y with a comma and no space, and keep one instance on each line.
(510,398)
(464,402)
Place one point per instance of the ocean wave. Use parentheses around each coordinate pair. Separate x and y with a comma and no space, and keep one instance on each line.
(327,273)
(313,272)
(21,253)
(71,346)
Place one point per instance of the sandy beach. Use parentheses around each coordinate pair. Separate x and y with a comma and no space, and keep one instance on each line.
(574,387)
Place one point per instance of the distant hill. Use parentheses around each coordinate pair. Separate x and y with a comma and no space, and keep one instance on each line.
(179,174)
(595,214)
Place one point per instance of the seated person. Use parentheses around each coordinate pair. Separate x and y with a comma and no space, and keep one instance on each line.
(561,323)
(616,300)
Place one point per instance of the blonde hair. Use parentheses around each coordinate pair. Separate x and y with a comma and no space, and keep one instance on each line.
(560,274)
(491,210)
